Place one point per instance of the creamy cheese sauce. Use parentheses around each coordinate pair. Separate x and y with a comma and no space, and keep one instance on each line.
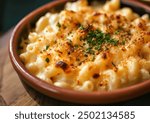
(89,48)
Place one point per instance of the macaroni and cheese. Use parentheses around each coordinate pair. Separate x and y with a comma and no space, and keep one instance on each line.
(89,47)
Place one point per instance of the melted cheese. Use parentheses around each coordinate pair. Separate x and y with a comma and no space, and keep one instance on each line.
(89,48)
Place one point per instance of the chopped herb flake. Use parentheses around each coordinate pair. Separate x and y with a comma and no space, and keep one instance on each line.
(47,46)
(117,32)
(97,47)
(95,39)
(93,58)
(76,46)
(58,25)
(81,27)
(123,42)
(47,60)
(90,51)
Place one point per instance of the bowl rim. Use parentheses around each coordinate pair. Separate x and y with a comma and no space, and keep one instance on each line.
(62,93)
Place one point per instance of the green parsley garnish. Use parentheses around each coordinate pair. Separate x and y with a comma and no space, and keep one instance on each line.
(123,42)
(76,46)
(113,42)
(58,25)
(117,32)
(95,38)
(47,60)
(97,47)
(90,50)
(81,27)
(93,58)
(47,46)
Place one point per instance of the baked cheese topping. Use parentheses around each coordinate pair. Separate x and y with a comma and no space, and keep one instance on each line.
(89,47)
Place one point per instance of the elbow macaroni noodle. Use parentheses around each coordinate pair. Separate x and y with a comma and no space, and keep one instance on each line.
(89,48)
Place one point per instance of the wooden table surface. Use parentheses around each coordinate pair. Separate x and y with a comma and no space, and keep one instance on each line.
(12,91)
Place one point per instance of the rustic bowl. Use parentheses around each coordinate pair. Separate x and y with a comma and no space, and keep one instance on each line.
(24,26)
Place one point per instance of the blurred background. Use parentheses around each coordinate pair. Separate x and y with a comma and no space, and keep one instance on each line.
(11,11)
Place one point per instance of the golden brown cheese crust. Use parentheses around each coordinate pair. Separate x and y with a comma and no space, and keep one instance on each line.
(89,49)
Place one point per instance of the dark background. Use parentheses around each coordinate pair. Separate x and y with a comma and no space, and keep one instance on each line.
(11,11)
